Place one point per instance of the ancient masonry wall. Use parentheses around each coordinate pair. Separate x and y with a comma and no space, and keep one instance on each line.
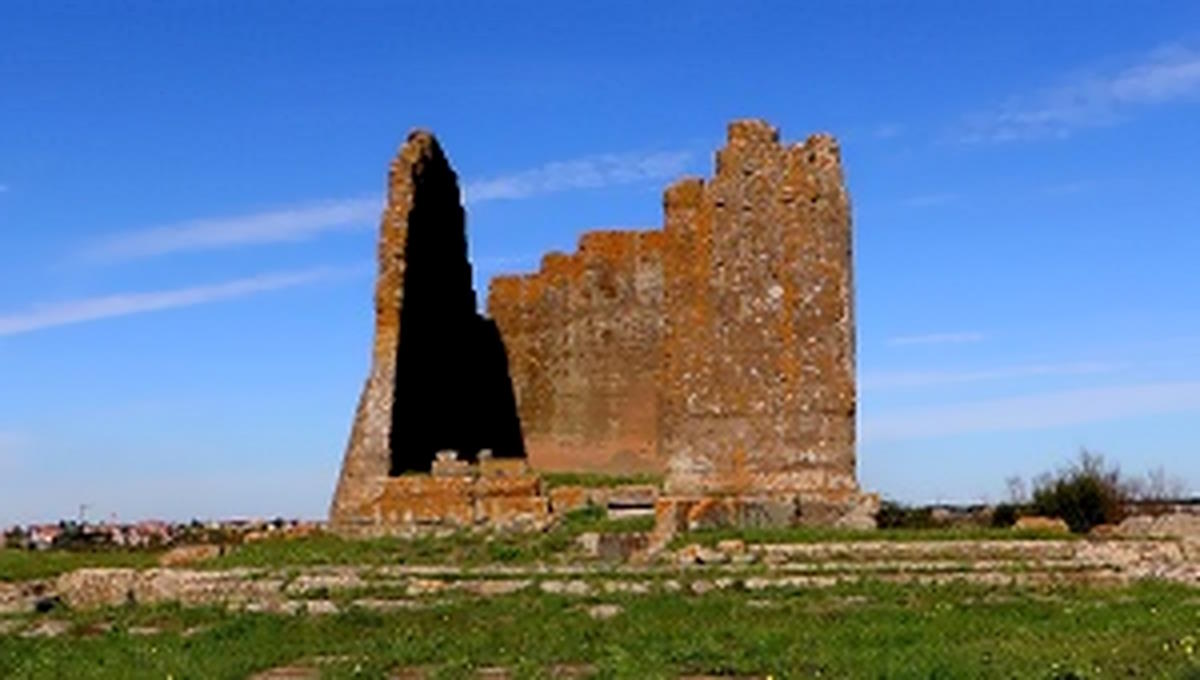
(440,385)
(719,348)
(367,460)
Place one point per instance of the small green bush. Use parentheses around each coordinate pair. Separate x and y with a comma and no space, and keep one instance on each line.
(1085,494)
(894,515)
(1005,515)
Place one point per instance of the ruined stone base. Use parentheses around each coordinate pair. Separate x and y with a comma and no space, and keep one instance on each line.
(677,514)
(496,494)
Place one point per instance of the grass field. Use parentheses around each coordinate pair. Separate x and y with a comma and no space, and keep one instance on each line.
(23,565)
(829,534)
(597,480)
(465,548)
(866,631)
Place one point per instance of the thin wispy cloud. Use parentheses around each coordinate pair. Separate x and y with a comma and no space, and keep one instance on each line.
(937,338)
(309,221)
(1166,75)
(929,200)
(1034,412)
(297,223)
(887,131)
(124,304)
(582,173)
(3,188)
(913,379)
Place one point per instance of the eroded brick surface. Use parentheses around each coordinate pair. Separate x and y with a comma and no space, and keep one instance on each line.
(441,385)
(564,499)
(719,348)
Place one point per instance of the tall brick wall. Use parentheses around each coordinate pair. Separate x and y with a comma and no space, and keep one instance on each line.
(720,348)
(584,341)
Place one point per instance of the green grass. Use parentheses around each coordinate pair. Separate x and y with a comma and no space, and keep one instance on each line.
(864,631)
(827,534)
(460,548)
(23,565)
(465,548)
(468,549)
(597,480)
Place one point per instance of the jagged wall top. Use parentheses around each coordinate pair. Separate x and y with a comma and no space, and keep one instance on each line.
(725,336)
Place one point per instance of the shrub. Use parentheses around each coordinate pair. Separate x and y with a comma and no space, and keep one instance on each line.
(1084,494)
(1005,515)
(894,515)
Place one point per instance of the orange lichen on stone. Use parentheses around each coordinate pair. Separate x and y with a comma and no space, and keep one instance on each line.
(564,499)
(513,512)
(423,499)
(505,497)
(719,348)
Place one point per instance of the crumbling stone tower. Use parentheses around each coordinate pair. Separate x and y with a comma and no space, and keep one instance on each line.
(720,347)
(439,376)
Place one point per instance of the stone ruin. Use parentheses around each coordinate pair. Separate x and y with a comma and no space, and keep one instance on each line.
(718,349)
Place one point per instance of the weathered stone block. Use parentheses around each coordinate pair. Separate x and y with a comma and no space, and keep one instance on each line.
(1047,524)
(525,485)
(765,512)
(632,496)
(452,468)
(711,513)
(495,468)
(189,554)
(423,499)
(564,499)
(513,512)
(620,547)
(91,588)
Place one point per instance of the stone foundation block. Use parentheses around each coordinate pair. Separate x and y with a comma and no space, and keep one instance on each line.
(564,499)
(515,486)
(421,499)
(513,512)
(632,496)
(490,468)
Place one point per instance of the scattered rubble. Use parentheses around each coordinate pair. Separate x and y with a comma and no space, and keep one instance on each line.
(604,612)
(1046,524)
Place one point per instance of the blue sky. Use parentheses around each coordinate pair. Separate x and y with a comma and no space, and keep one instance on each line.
(189,196)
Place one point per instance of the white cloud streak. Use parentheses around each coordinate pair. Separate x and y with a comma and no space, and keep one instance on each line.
(125,304)
(582,173)
(913,379)
(888,131)
(308,221)
(937,339)
(298,223)
(1033,412)
(1165,75)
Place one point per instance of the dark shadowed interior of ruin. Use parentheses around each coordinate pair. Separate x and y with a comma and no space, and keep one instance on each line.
(453,390)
